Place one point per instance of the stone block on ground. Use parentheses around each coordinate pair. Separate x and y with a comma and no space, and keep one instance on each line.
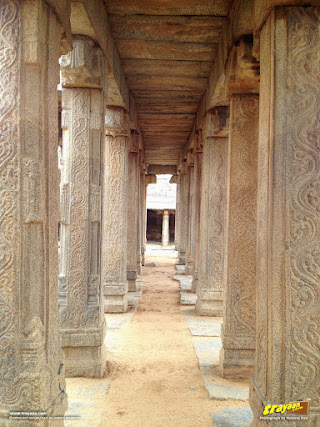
(222,389)
(232,417)
(204,326)
(188,298)
(185,281)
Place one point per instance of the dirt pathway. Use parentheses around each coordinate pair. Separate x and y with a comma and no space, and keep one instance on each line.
(157,379)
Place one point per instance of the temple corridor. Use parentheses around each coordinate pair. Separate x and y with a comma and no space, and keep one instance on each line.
(154,373)
(100,100)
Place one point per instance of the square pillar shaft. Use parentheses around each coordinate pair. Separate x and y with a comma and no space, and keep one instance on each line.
(133,217)
(80,292)
(212,227)
(31,369)
(114,214)
(238,330)
(288,261)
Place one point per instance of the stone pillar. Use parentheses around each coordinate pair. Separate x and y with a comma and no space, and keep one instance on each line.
(143,222)
(212,245)
(191,216)
(165,228)
(133,212)
(31,369)
(177,216)
(80,292)
(197,203)
(114,212)
(288,255)
(183,214)
(238,329)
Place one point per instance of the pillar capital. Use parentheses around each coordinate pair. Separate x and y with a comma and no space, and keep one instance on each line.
(151,179)
(117,122)
(84,66)
(243,70)
(217,122)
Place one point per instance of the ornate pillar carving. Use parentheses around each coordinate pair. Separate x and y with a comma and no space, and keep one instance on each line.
(31,369)
(197,203)
(191,215)
(80,292)
(238,329)
(183,213)
(133,211)
(143,199)
(114,212)
(287,365)
(212,245)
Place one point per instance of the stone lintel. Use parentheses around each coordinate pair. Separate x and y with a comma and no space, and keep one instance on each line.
(84,66)
(162,169)
(243,70)
(217,122)
(117,122)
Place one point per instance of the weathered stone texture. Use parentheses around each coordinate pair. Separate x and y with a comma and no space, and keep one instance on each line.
(114,215)
(31,369)
(212,225)
(133,214)
(287,362)
(238,331)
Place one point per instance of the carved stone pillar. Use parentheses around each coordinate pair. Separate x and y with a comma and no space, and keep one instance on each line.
(133,212)
(288,254)
(165,228)
(212,246)
(238,329)
(197,203)
(31,369)
(114,212)
(176,180)
(191,217)
(80,292)
(143,198)
(183,214)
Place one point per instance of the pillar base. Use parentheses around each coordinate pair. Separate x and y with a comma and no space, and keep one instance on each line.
(189,267)
(195,280)
(84,352)
(115,304)
(209,308)
(237,357)
(209,303)
(132,277)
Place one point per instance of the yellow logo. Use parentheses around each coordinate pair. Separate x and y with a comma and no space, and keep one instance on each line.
(301,408)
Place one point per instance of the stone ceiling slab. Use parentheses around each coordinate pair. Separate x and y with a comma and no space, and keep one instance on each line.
(167,49)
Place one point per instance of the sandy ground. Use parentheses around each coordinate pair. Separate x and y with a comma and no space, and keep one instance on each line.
(156,378)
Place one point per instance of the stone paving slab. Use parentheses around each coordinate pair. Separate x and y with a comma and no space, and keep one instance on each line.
(207,350)
(207,347)
(204,326)
(232,417)
(185,281)
(84,400)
